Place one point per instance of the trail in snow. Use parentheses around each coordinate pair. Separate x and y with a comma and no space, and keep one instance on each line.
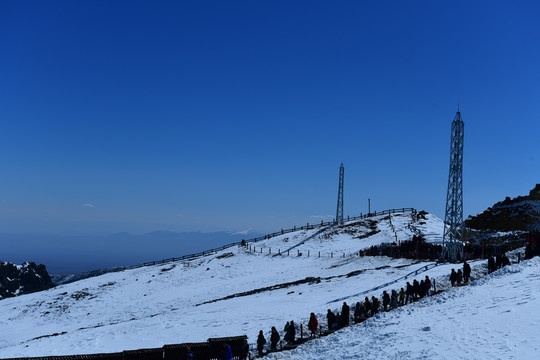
(416,272)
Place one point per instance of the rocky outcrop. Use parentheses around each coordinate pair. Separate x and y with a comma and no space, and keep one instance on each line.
(22,279)
(521,213)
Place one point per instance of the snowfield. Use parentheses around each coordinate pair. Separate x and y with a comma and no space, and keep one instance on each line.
(184,302)
(496,317)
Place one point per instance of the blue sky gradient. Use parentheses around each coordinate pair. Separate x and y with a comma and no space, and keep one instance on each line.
(210,115)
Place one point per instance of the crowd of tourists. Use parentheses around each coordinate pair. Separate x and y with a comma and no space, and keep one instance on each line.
(419,248)
(411,292)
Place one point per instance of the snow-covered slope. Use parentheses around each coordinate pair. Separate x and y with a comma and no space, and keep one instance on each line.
(231,293)
(496,317)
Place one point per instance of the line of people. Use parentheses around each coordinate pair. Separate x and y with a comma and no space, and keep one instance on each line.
(362,310)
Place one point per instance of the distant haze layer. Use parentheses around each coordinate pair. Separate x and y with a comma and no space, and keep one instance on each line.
(73,254)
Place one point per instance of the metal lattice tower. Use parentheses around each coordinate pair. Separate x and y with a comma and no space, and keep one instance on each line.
(339,212)
(453,218)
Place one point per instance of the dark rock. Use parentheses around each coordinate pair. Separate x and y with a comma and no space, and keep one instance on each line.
(23,279)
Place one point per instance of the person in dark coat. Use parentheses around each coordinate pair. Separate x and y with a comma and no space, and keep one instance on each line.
(491,265)
(416,289)
(260,343)
(385,300)
(332,321)
(375,304)
(292,333)
(345,315)
(313,325)
(505,260)
(286,330)
(453,277)
(274,339)
(244,350)
(459,277)
(422,289)
(408,293)
(357,312)
(466,272)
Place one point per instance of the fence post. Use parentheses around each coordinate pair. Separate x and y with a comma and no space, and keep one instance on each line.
(331,254)
(279,251)
(261,249)
(301,331)
(287,252)
(319,254)
(308,253)
(269,250)
(298,252)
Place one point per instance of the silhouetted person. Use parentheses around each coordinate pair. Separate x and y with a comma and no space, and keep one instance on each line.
(313,325)
(385,300)
(274,339)
(466,272)
(260,343)
(332,321)
(453,277)
(345,314)
(427,282)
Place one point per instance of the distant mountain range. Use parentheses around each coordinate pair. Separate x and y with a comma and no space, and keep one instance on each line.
(74,254)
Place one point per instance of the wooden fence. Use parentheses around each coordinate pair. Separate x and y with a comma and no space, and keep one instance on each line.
(308,226)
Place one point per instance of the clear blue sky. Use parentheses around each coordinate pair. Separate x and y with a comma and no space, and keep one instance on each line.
(225,115)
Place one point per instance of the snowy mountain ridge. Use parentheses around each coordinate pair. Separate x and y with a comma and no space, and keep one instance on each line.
(241,291)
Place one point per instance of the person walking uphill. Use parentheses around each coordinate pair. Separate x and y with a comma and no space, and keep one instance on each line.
(453,277)
(274,339)
(291,334)
(466,272)
(260,343)
(313,325)
(345,314)
(332,323)
(385,300)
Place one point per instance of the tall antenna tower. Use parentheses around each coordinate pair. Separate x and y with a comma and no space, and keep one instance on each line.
(339,212)
(453,218)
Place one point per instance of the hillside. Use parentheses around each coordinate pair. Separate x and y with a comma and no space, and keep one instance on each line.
(494,318)
(233,292)
(520,213)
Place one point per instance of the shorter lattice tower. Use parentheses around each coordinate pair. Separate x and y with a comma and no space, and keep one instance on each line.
(339,212)
(453,218)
